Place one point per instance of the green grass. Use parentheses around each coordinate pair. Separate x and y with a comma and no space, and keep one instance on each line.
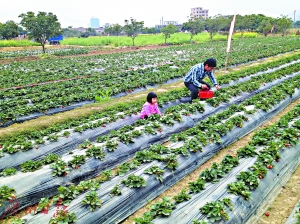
(144,40)
(17,43)
(141,40)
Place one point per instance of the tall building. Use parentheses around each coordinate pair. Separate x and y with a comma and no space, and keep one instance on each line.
(95,23)
(199,11)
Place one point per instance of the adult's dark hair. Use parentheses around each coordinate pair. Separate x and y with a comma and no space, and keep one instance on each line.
(211,62)
(150,96)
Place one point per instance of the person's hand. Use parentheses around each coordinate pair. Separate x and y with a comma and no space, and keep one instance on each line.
(217,87)
(204,86)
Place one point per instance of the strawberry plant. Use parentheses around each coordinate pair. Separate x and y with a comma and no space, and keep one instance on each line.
(16,220)
(180,150)
(92,200)
(221,129)
(193,145)
(67,194)
(159,149)
(105,176)
(265,159)
(239,188)
(171,161)
(227,202)
(87,185)
(158,172)
(63,216)
(102,138)
(145,156)
(149,130)
(182,196)
(8,172)
(167,120)
(212,174)
(134,181)
(31,166)
(86,144)
(97,152)
(202,138)
(178,137)
(249,178)
(10,149)
(145,219)
(6,193)
(196,186)
(66,133)
(77,161)
(228,163)
(50,158)
(259,169)
(214,211)
(246,151)
(116,190)
(163,208)
(123,168)
(199,222)
(59,168)
(111,145)
(43,205)
(53,137)
(136,133)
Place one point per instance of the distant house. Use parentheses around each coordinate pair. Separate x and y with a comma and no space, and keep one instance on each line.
(81,29)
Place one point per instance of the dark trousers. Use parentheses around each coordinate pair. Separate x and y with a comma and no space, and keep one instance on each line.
(194,90)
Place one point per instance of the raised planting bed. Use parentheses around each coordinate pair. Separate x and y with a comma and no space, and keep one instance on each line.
(186,165)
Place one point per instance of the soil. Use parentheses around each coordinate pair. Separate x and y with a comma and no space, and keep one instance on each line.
(280,212)
(285,202)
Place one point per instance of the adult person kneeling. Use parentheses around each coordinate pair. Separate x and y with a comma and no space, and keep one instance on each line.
(193,79)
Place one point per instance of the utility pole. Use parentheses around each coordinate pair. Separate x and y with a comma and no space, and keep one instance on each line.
(294,18)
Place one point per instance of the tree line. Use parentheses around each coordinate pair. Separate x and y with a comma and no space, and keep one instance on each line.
(42,26)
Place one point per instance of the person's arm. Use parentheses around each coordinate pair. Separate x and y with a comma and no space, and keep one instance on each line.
(157,109)
(213,80)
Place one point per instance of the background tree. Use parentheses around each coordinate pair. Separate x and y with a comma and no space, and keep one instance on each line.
(283,23)
(132,28)
(297,24)
(91,31)
(115,29)
(194,26)
(9,30)
(265,27)
(213,25)
(41,27)
(168,30)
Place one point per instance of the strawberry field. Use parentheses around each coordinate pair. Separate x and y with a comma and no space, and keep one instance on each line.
(104,166)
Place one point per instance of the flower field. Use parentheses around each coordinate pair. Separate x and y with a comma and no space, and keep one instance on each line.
(104,166)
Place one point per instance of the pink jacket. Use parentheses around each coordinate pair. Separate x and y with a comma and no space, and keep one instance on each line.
(149,109)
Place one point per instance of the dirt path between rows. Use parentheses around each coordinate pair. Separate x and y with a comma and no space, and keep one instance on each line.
(278,211)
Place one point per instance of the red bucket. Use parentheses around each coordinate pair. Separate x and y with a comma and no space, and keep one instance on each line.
(205,94)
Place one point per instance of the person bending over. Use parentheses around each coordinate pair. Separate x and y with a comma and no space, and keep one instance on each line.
(193,79)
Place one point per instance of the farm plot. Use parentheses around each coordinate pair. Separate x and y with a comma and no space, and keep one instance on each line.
(57,52)
(25,145)
(209,141)
(37,88)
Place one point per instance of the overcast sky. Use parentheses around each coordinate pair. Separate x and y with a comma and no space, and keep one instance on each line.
(77,13)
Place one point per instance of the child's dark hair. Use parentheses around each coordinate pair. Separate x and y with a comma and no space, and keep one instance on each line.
(150,96)
(211,62)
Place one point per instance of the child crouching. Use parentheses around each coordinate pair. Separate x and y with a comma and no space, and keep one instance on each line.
(150,107)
